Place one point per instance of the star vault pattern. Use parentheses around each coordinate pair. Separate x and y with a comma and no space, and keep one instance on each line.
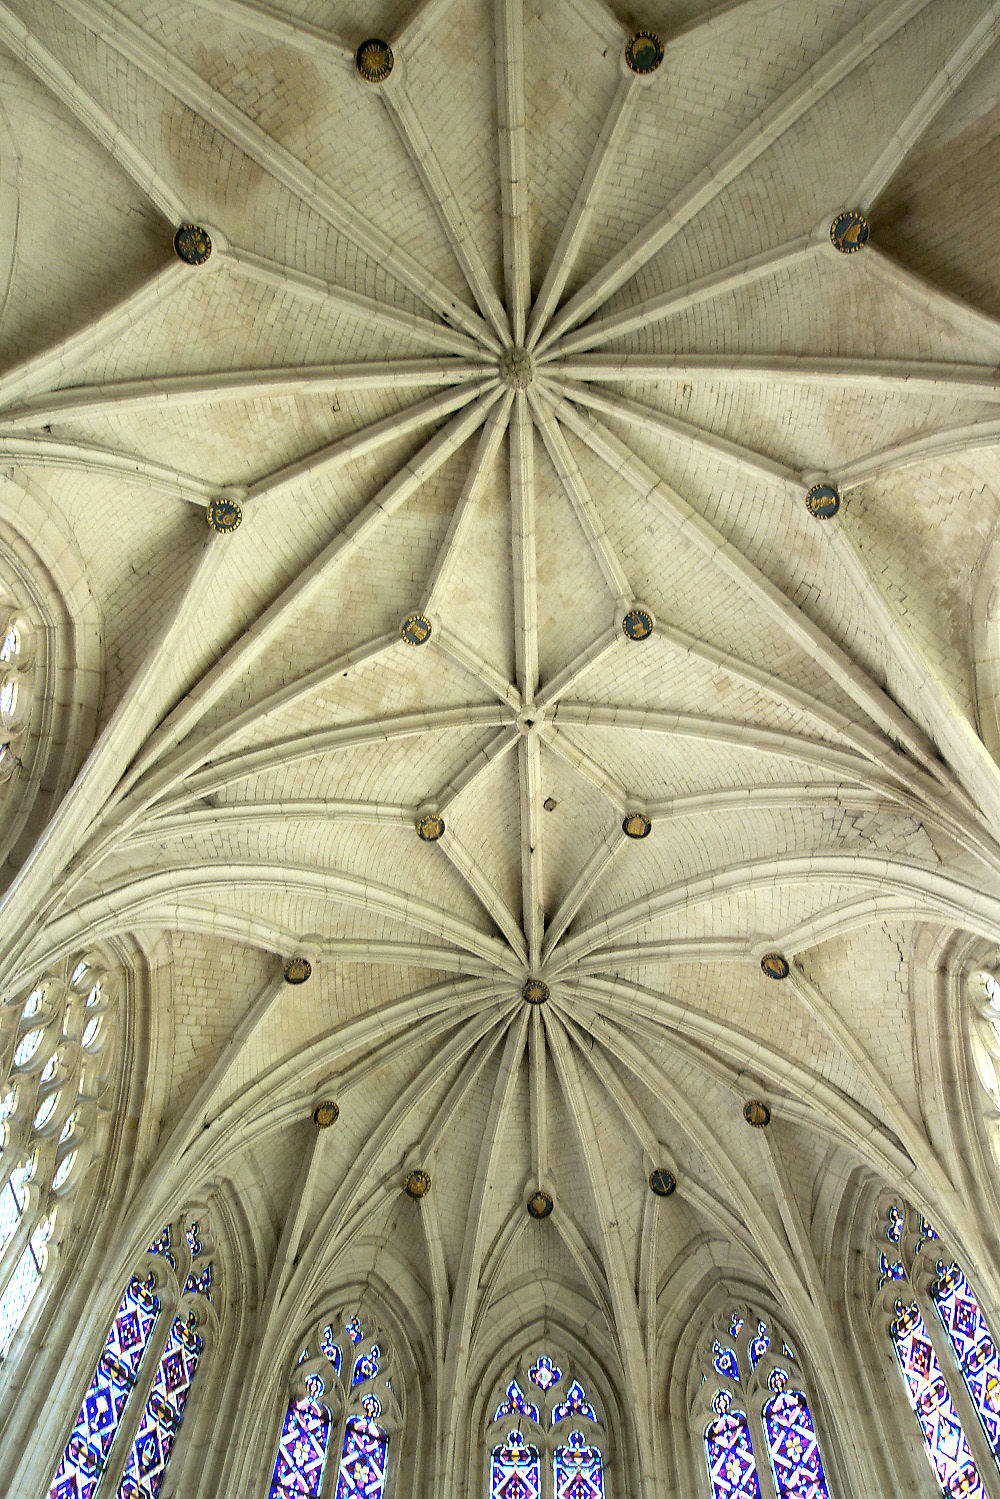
(554,372)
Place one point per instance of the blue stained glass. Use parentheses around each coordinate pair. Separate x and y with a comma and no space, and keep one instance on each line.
(724,1360)
(305,1436)
(328,1348)
(362,1467)
(894,1228)
(193,1235)
(366,1365)
(947,1446)
(161,1419)
(86,1453)
(161,1245)
(353,1330)
(575,1404)
(927,1229)
(515,1403)
(200,1284)
(890,1269)
(579,1471)
(729,1453)
(973,1343)
(515,1470)
(794,1450)
(545,1374)
(758,1348)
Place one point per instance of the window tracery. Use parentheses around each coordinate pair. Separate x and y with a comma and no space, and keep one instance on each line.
(984,1036)
(341,1402)
(752,1413)
(131,1413)
(58,1053)
(15,685)
(942,1343)
(546,1437)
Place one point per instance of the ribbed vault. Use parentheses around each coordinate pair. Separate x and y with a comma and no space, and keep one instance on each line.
(518,366)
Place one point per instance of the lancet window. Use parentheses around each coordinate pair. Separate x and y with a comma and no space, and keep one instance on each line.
(340,1430)
(753,1415)
(131,1414)
(57,1043)
(546,1437)
(943,1347)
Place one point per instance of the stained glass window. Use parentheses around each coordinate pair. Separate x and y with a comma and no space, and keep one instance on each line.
(575,1404)
(366,1365)
(947,1446)
(579,1470)
(730,1457)
(759,1346)
(362,1467)
(329,1348)
(82,1463)
(724,1360)
(973,1343)
(792,1444)
(515,1470)
(514,1403)
(544,1373)
(894,1227)
(305,1436)
(199,1282)
(147,1459)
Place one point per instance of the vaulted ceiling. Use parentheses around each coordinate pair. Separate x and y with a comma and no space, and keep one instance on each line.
(546,352)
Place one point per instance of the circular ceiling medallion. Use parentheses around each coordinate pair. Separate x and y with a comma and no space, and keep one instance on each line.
(539,1205)
(224,515)
(644,52)
(374,60)
(297,970)
(430,827)
(416,1184)
(415,629)
(535,991)
(849,231)
(823,501)
(774,965)
(325,1114)
(192,244)
(662,1182)
(756,1113)
(636,825)
(517,369)
(637,624)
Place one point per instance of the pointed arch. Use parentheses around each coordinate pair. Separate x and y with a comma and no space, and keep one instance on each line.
(546,1437)
(342,1408)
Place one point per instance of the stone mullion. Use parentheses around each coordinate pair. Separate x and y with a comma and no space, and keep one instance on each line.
(761,1455)
(334,1452)
(136,1403)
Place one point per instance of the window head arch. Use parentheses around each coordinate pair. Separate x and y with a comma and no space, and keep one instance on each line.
(342,1405)
(750,1406)
(545,1432)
